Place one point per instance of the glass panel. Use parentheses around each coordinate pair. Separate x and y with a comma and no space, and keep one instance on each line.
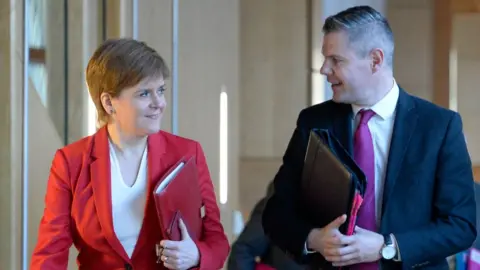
(38,76)
(36,24)
(47,63)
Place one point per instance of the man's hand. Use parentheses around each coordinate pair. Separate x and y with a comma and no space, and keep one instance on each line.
(327,237)
(363,246)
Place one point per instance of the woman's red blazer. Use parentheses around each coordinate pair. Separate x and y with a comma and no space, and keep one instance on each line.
(78,208)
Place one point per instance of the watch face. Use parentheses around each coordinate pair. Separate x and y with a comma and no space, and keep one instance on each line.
(388,252)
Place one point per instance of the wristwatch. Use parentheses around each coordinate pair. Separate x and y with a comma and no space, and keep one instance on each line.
(388,250)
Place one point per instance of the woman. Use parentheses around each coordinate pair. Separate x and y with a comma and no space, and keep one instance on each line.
(99,194)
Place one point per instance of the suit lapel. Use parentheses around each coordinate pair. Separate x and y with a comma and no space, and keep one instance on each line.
(343,125)
(158,163)
(403,130)
(101,183)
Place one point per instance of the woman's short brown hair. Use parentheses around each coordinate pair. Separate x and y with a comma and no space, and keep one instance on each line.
(118,64)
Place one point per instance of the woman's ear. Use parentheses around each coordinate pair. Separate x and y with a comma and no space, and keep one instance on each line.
(106,100)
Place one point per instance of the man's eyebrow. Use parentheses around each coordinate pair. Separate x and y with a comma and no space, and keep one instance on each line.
(334,56)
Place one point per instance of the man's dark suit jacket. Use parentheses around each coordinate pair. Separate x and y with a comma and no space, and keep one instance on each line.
(428,201)
(253,242)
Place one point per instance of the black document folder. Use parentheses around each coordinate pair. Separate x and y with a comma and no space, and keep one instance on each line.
(332,183)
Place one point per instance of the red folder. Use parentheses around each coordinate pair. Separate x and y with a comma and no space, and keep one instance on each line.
(261,266)
(177,196)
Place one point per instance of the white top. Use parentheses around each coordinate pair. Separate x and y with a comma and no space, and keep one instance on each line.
(128,203)
(381,127)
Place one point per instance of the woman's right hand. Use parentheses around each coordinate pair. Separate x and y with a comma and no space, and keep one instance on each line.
(182,254)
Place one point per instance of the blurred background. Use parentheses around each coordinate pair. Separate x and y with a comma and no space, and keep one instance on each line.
(242,71)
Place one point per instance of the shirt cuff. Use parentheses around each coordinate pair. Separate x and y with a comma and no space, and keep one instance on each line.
(307,251)
(397,258)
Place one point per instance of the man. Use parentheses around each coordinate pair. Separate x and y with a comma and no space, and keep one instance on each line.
(253,243)
(419,205)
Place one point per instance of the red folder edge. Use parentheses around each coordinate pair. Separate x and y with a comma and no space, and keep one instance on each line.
(261,266)
(180,199)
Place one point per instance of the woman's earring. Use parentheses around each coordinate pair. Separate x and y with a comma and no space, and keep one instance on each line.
(112,111)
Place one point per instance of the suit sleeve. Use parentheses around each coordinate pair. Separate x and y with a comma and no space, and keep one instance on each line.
(54,235)
(282,219)
(453,227)
(214,247)
(251,243)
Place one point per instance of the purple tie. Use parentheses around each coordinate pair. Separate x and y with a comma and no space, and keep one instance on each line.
(365,158)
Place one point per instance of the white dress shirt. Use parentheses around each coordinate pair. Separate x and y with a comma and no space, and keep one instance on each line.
(381,127)
(128,203)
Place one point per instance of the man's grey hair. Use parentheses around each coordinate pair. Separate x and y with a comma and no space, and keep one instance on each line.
(366,29)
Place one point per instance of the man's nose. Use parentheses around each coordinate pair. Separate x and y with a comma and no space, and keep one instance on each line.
(325,70)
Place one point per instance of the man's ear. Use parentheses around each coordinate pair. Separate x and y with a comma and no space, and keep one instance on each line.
(377,58)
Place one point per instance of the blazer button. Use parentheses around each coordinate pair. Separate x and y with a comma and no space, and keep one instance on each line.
(128,267)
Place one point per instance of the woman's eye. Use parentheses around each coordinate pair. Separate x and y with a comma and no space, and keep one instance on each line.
(144,93)
(161,90)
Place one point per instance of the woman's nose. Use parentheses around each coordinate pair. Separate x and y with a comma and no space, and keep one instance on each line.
(158,100)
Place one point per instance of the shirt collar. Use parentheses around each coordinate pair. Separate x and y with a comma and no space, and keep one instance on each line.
(386,106)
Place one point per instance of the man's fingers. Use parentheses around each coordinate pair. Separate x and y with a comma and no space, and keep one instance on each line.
(342,259)
(339,253)
(337,222)
(333,241)
(360,230)
(347,239)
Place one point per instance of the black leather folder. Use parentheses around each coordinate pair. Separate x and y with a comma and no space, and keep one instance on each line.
(331,181)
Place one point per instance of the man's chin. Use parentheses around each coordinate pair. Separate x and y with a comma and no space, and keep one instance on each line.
(337,98)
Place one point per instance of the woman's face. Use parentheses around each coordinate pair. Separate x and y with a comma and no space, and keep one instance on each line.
(138,110)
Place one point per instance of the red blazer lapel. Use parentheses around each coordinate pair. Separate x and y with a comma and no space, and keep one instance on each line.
(156,159)
(101,183)
(158,163)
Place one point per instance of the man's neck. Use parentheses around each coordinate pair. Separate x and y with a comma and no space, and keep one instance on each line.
(382,87)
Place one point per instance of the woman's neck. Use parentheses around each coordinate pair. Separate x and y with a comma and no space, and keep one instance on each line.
(126,143)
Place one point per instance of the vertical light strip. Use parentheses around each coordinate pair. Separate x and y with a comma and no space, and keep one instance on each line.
(89,107)
(25,182)
(135,19)
(317,14)
(453,80)
(223,146)
(318,87)
(175,67)
(65,73)
(92,116)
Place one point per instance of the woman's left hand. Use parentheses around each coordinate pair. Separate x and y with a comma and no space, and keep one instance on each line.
(182,254)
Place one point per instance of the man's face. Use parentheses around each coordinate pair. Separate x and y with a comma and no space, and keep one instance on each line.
(349,74)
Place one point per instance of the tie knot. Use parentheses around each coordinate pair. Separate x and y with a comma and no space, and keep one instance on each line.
(365,116)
